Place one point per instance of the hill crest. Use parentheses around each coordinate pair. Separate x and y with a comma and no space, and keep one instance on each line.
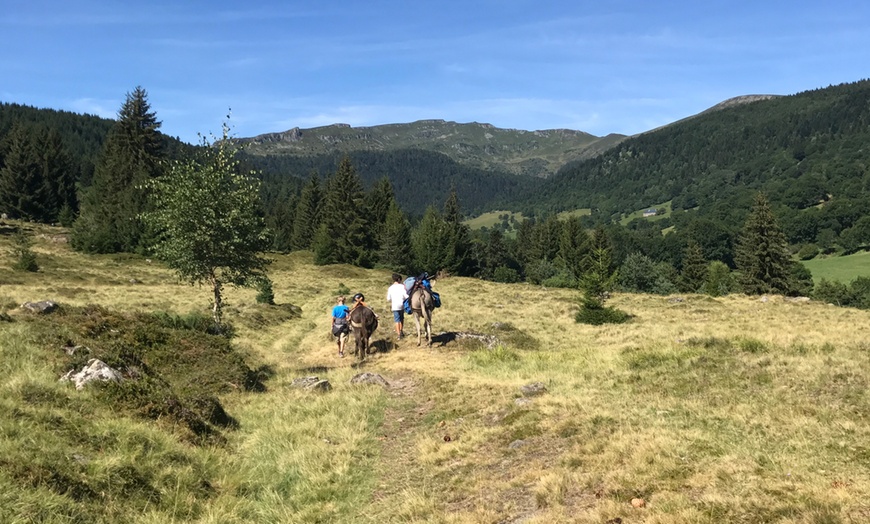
(537,153)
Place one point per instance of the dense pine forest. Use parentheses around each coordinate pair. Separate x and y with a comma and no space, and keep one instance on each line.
(789,173)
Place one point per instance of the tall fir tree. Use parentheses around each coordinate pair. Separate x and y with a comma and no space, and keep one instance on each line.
(307,213)
(132,156)
(573,246)
(762,254)
(695,269)
(280,223)
(494,254)
(59,173)
(430,242)
(395,241)
(23,189)
(458,238)
(378,201)
(342,237)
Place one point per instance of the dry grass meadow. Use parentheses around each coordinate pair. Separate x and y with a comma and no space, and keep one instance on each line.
(710,410)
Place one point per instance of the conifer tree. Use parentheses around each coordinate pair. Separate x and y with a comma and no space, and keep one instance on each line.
(762,254)
(573,246)
(23,190)
(597,282)
(457,237)
(131,157)
(378,202)
(307,213)
(395,241)
(280,222)
(494,254)
(59,174)
(344,223)
(430,242)
(695,269)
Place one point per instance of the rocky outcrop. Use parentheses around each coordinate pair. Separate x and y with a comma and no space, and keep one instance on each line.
(43,307)
(94,370)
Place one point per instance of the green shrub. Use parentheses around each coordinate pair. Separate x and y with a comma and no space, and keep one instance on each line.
(265,294)
(505,274)
(832,292)
(720,280)
(25,258)
(639,274)
(808,252)
(594,312)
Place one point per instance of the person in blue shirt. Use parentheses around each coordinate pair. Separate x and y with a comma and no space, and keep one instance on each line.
(340,327)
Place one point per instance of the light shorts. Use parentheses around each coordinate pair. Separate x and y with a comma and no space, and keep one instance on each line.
(399,316)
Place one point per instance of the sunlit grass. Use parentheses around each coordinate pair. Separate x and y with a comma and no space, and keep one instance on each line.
(730,409)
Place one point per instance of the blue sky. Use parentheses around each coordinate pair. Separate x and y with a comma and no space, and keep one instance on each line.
(600,67)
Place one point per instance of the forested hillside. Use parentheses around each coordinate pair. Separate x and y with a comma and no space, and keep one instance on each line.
(419,178)
(807,151)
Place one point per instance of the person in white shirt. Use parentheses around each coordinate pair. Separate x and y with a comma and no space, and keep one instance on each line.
(396,296)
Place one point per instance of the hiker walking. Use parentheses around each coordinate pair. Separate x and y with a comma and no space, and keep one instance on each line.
(396,296)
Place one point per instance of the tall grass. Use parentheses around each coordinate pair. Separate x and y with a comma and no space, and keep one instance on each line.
(711,410)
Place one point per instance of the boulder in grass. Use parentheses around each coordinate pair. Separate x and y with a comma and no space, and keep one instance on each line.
(94,370)
(311,383)
(43,307)
(534,389)
(370,378)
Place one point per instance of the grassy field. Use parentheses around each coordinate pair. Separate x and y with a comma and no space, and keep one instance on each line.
(842,269)
(490,219)
(710,410)
(639,213)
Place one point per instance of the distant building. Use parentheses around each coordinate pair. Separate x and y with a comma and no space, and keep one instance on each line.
(651,212)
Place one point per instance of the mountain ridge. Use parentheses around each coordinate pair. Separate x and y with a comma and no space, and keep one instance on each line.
(538,153)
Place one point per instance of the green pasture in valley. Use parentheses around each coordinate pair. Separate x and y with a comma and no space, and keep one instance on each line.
(842,269)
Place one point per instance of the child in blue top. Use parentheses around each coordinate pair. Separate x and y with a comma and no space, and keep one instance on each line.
(340,329)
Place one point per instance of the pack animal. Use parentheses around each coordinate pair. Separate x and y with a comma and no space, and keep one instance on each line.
(363,323)
(422,305)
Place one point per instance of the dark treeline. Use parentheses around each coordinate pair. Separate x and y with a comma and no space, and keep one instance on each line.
(419,178)
(48,159)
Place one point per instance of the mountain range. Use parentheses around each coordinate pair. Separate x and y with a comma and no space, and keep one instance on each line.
(532,153)
(805,150)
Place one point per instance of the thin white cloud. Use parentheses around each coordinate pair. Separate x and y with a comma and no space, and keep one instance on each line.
(92,106)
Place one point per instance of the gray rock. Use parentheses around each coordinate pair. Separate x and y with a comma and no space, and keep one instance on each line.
(370,378)
(534,389)
(304,382)
(72,350)
(320,385)
(94,370)
(522,401)
(43,307)
(517,444)
(311,383)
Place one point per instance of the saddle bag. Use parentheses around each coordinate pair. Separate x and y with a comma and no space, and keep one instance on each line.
(340,327)
(436,299)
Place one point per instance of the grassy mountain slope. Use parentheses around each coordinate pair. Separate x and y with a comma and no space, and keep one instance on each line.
(534,153)
(709,409)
